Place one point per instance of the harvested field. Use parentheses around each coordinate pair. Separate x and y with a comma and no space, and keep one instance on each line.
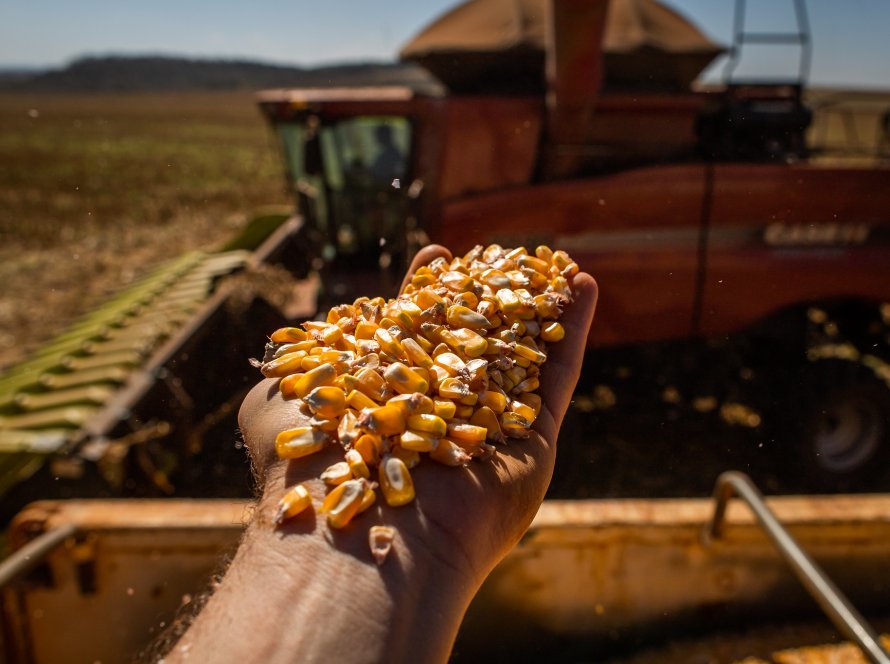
(95,190)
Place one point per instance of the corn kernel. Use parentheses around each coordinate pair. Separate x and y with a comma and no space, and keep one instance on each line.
(357,464)
(294,501)
(416,354)
(380,539)
(343,502)
(336,474)
(493,399)
(449,453)
(403,380)
(412,404)
(461,316)
(486,417)
(383,421)
(359,400)
(284,365)
(288,335)
(444,408)
(303,384)
(368,445)
(299,442)
(553,332)
(326,402)
(431,424)
(395,482)
(466,433)
(418,441)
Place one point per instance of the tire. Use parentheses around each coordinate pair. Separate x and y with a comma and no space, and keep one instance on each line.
(842,425)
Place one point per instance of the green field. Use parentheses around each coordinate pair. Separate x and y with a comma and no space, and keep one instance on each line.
(97,189)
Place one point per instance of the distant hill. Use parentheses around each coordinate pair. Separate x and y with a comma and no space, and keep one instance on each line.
(160,73)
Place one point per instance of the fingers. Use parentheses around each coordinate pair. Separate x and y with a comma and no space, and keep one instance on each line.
(560,373)
(424,257)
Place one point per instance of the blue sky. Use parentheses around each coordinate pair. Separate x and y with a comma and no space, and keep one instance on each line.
(851,48)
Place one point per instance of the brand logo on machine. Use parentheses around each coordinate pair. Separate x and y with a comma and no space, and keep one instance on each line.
(782,234)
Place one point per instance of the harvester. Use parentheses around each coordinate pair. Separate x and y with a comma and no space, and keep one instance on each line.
(708,221)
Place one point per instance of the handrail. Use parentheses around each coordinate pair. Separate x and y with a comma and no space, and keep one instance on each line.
(832,601)
(33,553)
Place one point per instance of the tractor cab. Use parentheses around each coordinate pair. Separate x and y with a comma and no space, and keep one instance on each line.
(349,163)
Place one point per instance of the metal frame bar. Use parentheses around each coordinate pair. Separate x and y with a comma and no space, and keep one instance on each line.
(832,601)
(33,553)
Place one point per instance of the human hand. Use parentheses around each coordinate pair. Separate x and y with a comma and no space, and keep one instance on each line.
(471,516)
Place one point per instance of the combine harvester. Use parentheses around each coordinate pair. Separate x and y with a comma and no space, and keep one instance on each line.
(704,215)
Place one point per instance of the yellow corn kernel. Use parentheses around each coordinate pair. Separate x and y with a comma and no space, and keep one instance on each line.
(422,280)
(409,457)
(295,501)
(449,453)
(451,363)
(372,384)
(530,399)
(527,385)
(412,404)
(365,330)
(545,253)
(508,300)
(288,335)
(477,374)
(453,388)
(345,382)
(444,408)
(466,341)
(461,316)
(523,349)
(416,354)
(535,264)
(343,502)
(326,402)
(524,410)
(336,474)
(560,286)
(553,332)
(561,259)
(495,279)
(456,281)
(395,482)
(311,362)
(380,539)
(389,345)
(516,375)
(518,279)
(403,380)
(357,464)
(464,411)
(520,361)
(368,445)
(383,421)
(516,253)
(469,433)
(514,425)
(426,298)
(359,400)
(469,400)
(467,299)
(300,385)
(486,417)
(493,399)
(284,365)
(299,442)
(429,423)
(418,441)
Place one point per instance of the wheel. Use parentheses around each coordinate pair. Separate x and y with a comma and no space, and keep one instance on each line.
(842,425)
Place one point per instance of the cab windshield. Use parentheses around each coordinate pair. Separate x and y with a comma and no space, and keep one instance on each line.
(351,177)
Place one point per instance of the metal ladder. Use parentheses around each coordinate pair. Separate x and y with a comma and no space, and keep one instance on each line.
(800,38)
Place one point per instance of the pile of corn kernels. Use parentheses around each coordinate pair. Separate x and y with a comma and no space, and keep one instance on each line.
(448,369)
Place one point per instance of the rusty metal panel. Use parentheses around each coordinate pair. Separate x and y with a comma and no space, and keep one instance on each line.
(594,571)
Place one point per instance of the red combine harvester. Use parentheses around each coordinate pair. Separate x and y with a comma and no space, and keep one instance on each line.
(703,214)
